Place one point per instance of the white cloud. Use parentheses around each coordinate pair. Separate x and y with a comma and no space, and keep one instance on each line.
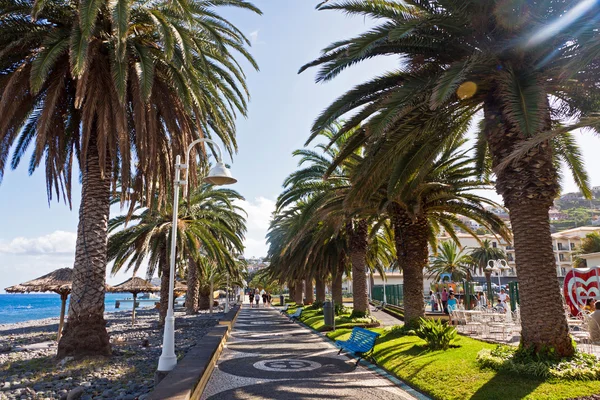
(254,37)
(259,214)
(57,242)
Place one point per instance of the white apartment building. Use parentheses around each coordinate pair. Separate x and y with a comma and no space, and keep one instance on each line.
(564,244)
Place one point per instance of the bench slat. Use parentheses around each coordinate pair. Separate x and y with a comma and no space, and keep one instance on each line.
(361,341)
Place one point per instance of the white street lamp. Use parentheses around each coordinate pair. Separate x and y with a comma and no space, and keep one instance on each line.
(218,175)
(497,266)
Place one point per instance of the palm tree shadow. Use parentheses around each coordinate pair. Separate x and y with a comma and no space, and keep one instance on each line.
(510,388)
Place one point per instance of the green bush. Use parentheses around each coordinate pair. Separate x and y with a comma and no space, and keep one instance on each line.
(358,314)
(581,366)
(401,330)
(316,305)
(340,309)
(438,334)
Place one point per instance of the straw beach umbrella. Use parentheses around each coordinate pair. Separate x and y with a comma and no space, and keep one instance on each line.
(59,281)
(134,286)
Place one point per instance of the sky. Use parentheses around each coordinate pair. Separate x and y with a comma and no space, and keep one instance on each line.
(36,238)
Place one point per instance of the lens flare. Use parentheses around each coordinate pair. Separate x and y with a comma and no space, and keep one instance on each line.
(561,23)
(466,90)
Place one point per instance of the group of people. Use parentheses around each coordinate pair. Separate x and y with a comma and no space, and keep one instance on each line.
(450,302)
(256,295)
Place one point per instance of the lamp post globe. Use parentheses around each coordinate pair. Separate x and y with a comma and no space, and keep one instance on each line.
(219,175)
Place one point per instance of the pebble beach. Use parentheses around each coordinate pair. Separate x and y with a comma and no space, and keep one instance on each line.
(29,369)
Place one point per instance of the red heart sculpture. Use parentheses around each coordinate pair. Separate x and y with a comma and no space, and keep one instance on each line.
(580,285)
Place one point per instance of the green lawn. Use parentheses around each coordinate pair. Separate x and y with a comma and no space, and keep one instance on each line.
(315,319)
(454,374)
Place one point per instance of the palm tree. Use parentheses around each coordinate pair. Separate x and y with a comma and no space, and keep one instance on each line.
(210,225)
(100,82)
(212,275)
(327,204)
(482,255)
(451,260)
(589,244)
(424,199)
(462,59)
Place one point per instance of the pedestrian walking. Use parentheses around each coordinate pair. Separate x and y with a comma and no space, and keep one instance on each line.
(445,300)
(251,295)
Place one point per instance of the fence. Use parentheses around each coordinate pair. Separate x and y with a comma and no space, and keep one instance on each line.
(394,294)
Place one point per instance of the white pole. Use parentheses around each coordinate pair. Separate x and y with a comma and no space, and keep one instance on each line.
(227,296)
(168,359)
(384,298)
(212,293)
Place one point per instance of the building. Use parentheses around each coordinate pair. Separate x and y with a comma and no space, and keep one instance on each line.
(591,259)
(565,243)
(557,215)
(466,241)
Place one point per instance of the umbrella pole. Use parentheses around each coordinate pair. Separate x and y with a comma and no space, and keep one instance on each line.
(133,312)
(63,297)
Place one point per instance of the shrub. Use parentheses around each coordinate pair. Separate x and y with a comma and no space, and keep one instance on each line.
(401,330)
(316,305)
(438,334)
(358,314)
(581,366)
(340,309)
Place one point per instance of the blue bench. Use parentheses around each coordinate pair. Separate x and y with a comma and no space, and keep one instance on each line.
(361,342)
(297,313)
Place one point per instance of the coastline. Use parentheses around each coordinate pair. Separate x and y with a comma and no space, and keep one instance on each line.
(29,369)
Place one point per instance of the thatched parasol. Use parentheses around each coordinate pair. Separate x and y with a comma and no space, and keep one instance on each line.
(179,290)
(59,281)
(134,286)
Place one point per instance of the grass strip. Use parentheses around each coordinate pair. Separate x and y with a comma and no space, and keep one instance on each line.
(454,374)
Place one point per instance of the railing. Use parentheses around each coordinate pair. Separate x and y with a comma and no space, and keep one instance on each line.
(394,294)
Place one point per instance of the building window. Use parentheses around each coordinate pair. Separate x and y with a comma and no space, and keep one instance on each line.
(560,246)
(572,246)
(494,244)
(561,257)
(510,257)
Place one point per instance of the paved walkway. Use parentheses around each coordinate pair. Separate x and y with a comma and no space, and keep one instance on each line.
(269,357)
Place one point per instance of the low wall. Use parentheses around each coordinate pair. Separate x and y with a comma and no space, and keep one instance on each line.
(190,376)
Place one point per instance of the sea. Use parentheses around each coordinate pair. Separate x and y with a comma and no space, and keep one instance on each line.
(26,307)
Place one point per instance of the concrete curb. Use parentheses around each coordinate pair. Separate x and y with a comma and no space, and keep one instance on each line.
(189,378)
(372,367)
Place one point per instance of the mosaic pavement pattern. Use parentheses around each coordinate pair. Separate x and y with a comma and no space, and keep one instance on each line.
(270,357)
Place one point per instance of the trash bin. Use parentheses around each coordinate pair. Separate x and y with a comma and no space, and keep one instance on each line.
(281,300)
(328,313)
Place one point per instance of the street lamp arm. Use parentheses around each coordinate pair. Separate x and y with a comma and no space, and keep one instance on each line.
(202,140)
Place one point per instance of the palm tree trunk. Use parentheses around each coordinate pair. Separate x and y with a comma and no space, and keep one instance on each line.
(85,331)
(308,290)
(320,288)
(61,324)
(336,284)
(133,309)
(358,252)
(412,252)
(204,296)
(298,298)
(528,187)
(164,289)
(292,288)
(193,285)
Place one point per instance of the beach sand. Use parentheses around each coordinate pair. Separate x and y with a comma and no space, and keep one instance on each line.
(29,370)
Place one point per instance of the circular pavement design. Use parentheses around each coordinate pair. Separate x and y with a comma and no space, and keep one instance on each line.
(287,367)
(307,390)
